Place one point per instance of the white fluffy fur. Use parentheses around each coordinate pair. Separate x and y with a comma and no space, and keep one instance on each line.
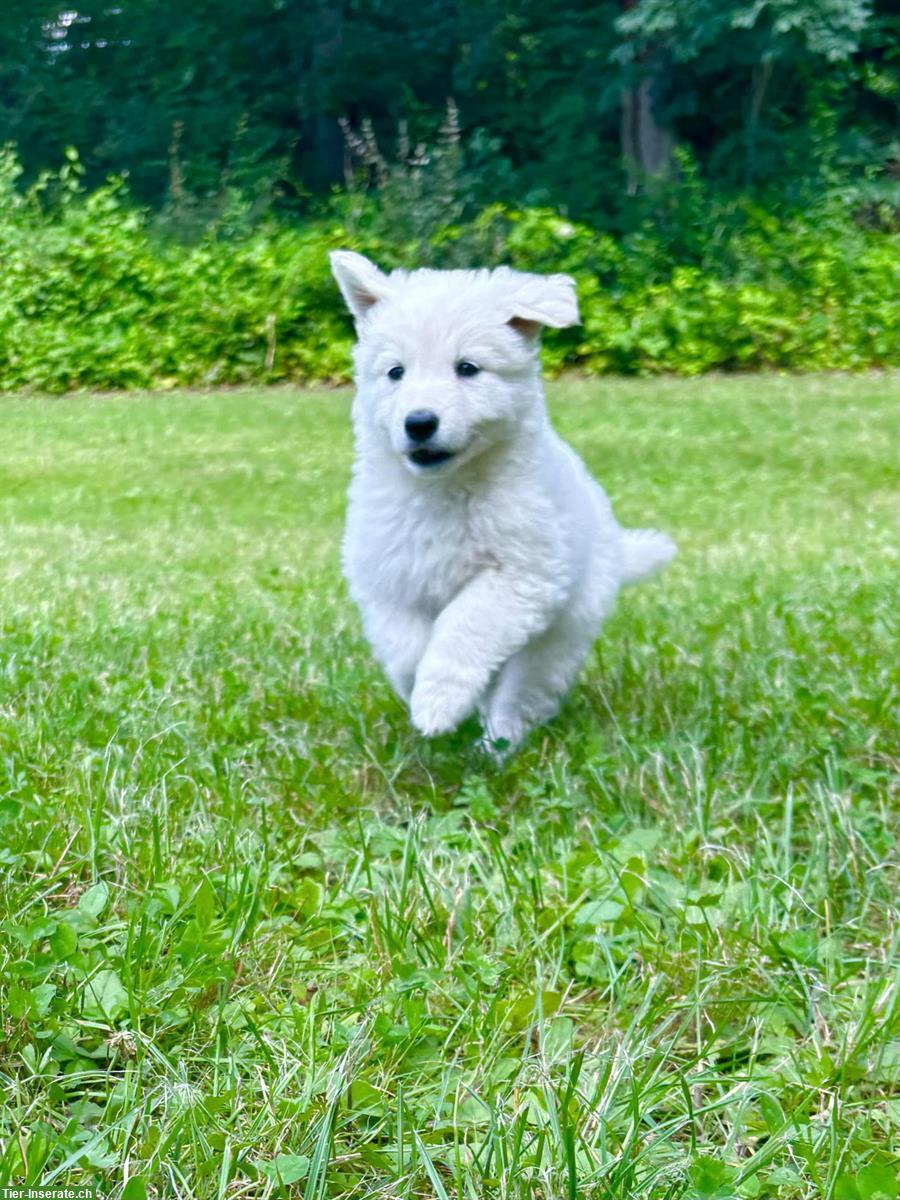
(483,581)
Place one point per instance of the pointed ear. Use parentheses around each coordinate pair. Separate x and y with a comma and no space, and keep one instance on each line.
(362,284)
(541,300)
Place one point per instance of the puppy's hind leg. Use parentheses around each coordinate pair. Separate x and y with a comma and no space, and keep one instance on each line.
(530,687)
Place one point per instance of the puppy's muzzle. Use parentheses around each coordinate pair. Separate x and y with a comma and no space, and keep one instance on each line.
(421,425)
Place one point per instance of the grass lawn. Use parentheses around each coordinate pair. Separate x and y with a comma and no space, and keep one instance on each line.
(260,939)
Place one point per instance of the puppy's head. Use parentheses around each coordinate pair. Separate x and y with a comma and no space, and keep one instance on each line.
(446,361)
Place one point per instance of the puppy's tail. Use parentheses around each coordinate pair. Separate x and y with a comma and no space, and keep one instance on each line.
(644,552)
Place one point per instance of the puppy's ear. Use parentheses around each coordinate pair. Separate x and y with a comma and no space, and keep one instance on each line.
(362,284)
(542,300)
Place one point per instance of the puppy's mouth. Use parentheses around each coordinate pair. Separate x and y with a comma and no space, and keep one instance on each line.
(429,456)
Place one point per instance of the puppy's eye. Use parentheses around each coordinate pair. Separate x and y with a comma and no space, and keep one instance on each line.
(466,369)
(396,372)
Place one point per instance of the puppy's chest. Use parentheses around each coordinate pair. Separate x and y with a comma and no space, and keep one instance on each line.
(418,553)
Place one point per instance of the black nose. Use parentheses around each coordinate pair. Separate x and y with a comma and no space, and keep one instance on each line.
(421,424)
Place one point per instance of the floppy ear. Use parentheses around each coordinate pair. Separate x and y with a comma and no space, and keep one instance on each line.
(362,284)
(542,300)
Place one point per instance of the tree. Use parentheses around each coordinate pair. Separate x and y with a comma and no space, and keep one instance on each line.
(197,100)
(749,39)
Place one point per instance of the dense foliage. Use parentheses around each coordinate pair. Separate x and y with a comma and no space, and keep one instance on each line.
(575,105)
(719,175)
(92,295)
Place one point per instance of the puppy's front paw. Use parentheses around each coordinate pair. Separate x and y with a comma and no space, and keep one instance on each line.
(438,705)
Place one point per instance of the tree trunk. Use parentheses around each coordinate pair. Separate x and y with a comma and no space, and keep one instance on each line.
(761,78)
(647,145)
(321,147)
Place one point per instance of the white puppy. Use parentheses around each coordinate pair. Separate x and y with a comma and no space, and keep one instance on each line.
(482,554)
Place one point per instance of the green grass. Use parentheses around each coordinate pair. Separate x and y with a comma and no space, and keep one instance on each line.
(260,939)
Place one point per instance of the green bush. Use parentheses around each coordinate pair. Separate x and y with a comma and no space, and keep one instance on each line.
(92,296)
